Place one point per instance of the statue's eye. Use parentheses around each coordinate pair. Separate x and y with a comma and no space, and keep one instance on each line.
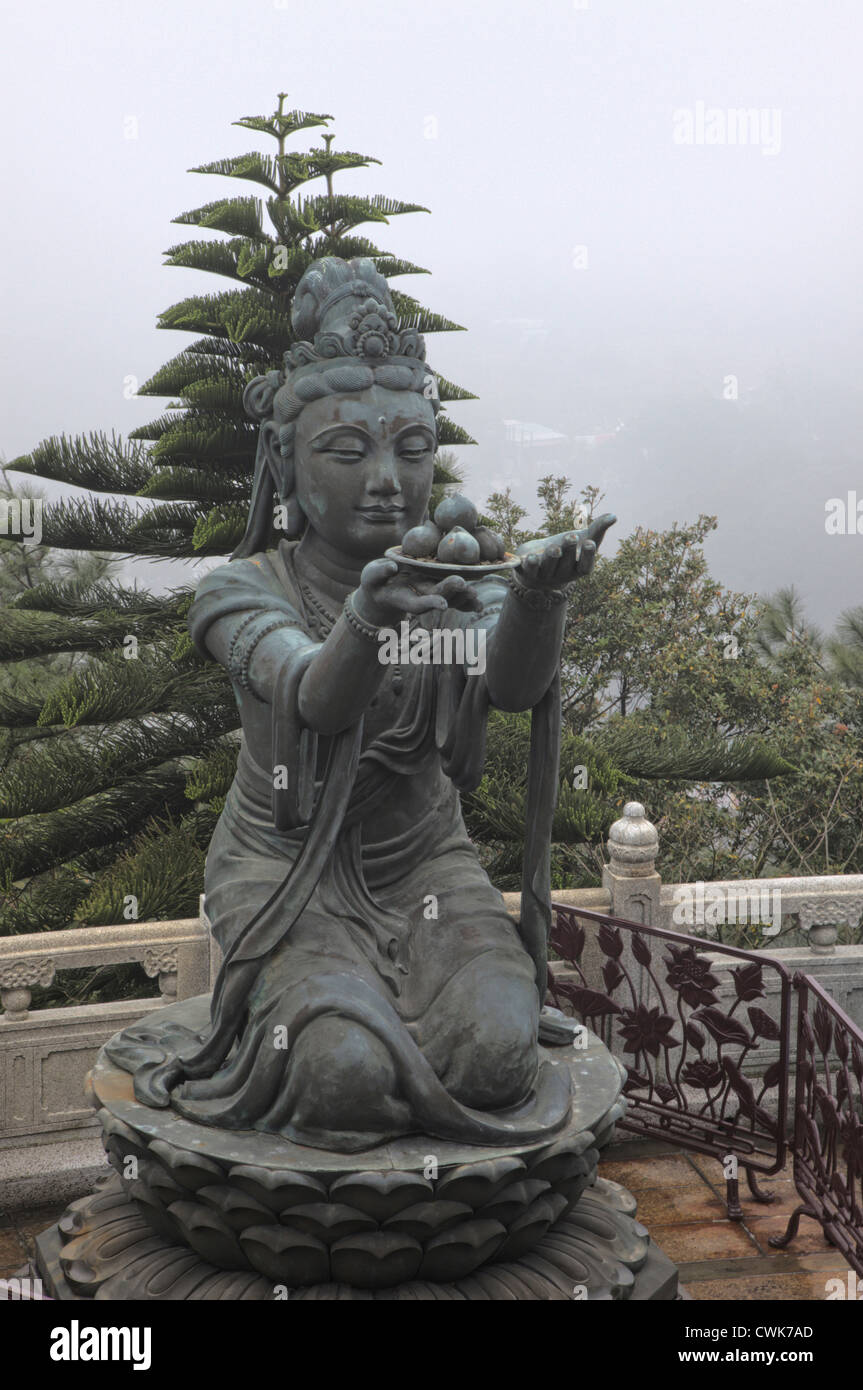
(415,449)
(347,449)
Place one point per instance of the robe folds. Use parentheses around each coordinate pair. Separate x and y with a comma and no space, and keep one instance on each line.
(373,984)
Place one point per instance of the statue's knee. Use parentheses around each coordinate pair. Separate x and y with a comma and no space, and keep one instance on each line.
(493,1060)
(344,1072)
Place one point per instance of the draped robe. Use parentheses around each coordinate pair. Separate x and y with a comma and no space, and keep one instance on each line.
(373,984)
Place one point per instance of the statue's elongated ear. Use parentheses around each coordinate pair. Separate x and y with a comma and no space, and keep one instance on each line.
(268,463)
(268,441)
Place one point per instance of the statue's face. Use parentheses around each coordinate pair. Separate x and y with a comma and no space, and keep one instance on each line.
(363,467)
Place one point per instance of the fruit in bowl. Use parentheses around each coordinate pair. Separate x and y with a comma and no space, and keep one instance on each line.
(456,511)
(459,547)
(454,537)
(421,541)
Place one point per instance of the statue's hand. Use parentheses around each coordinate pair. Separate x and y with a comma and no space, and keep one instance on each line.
(387,593)
(554,561)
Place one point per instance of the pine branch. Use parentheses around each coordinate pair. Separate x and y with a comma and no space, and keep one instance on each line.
(411,314)
(676,754)
(283,123)
(212,775)
(69,596)
(198,484)
(188,370)
(220,531)
(248,317)
(238,217)
(88,523)
(31,842)
(91,461)
(28,634)
(163,870)
(51,774)
(110,688)
(448,432)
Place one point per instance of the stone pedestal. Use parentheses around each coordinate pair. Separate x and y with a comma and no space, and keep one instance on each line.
(194,1212)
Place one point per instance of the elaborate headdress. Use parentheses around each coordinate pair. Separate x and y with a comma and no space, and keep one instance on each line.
(348,339)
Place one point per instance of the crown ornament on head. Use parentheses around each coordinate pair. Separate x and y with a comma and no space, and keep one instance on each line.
(344,309)
(347,339)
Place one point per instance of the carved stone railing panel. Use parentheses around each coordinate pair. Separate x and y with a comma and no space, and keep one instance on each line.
(45,1055)
(177,952)
(820,902)
(17,979)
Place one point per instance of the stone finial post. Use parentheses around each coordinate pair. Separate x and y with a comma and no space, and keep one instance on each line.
(17,979)
(630,876)
(163,962)
(632,883)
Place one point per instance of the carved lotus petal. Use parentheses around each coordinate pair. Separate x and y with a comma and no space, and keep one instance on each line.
(328,1221)
(286,1257)
(238,1209)
(505,1206)
(155,1211)
(427,1218)
(376,1260)
(381,1194)
(476,1183)
(163,1186)
(136,1143)
(277,1188)
(191,1170)
(208,1235)
(528,1228)
(459,1251)
(565,1159)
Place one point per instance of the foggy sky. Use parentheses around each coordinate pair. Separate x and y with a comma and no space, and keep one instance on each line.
(607,273)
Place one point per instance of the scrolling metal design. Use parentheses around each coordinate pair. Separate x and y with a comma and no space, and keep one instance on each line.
(828,1122)
(683,1034)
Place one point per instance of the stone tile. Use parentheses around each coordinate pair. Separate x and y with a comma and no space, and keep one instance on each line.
(798,1287)
(704,1240)
(671,1206)
(11,1249)
(642,1173)
(31,1224)
(809,1238)
(711,1168)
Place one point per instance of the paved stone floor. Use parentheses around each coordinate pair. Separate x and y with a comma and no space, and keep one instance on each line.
(681,1200)
(18,1232)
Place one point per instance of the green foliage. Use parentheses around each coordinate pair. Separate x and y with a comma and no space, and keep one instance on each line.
(737,725)
(212,776)
(31,843)
(92,461)
(495,813)
(97,749)
(163,870)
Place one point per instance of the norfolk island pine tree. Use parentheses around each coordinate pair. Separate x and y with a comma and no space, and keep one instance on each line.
(114,776)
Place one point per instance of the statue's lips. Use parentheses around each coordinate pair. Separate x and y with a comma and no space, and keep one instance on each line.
(380,513)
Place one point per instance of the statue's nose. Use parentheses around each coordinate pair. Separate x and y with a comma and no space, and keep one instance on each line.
(383,475)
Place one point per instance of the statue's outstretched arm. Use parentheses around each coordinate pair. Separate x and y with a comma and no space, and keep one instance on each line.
(524,649)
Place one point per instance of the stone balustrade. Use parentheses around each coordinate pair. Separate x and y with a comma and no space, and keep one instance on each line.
(45,1054)
(821,903)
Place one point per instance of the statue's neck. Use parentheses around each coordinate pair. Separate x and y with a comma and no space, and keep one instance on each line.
(332,573)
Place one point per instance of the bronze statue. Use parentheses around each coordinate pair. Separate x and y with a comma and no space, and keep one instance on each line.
(373,984)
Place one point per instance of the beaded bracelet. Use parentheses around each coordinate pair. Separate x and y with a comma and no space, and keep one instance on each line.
(240,672)
(249,618)
(358,624)
(541,600)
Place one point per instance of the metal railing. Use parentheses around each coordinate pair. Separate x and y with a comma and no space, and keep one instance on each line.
(684,1015)
(828,1122)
